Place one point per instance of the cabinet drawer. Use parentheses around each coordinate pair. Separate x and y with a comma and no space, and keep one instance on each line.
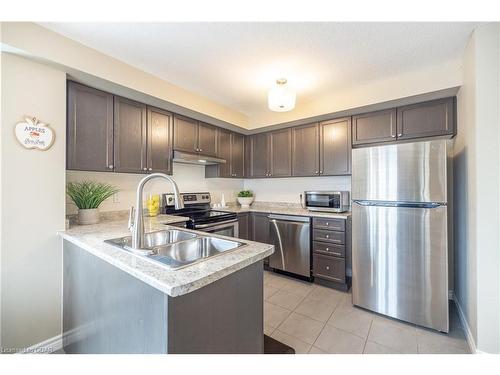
(332,224)
(329,236)
(329,249)
(330,268)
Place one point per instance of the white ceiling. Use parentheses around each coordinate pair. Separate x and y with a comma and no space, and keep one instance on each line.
(235,63)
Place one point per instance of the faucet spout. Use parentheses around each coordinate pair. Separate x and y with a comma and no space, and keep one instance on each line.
(138,225)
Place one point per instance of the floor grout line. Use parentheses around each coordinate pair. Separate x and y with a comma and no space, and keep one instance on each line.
(367,335)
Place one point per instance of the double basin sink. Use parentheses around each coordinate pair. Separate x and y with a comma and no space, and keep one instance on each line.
(177,248)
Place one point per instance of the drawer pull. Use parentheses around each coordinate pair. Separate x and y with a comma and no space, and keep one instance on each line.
(328,267)
(327,249)
(327,236)
(327,223)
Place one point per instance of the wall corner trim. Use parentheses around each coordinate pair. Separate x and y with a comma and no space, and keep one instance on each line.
(465,326)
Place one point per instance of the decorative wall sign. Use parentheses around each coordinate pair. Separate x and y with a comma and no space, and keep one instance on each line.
(33,134)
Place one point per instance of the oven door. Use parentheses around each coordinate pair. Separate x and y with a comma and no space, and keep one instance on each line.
(224,228)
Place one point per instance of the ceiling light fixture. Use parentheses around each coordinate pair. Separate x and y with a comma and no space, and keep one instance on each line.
(281,98)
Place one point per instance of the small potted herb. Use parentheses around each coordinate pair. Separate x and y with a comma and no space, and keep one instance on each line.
(88,196)
(245,198)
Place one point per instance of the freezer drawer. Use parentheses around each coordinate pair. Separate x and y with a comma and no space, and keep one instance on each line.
(399,263)
(408,172)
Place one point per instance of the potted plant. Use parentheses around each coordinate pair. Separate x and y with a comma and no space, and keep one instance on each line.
(245,198)
(88,196)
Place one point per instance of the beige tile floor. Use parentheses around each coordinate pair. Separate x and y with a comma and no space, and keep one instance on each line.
(315,319)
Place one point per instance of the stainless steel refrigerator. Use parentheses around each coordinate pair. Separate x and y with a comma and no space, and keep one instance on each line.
(401,232)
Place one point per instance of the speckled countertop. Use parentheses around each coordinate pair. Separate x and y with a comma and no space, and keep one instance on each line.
(283,209)
(172,282)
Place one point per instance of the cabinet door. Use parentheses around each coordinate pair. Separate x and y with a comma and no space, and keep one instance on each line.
(260,155)
(237,155)
(130,136)
(427,119)
(374,127)
(243,226)
(248,156)
(207,139)
(185,134)
(90,129)
(224,152)
(260,226)
(305,150)
(159,137)
(335,147)
(281,153)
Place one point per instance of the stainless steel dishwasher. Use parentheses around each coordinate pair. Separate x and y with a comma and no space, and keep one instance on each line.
(291,236)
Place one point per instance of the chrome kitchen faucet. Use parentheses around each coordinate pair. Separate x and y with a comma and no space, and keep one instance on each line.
(137,226)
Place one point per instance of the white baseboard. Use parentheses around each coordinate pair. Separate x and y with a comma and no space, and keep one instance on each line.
(465,325)
(45,347)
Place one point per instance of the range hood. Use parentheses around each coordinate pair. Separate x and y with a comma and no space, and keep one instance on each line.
(188,158)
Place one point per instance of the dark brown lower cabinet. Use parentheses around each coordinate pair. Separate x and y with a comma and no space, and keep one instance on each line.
(331,247)
(244,226)
(260,227)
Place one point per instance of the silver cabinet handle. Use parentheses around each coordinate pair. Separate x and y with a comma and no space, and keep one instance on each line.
(315,172)
(144,169)
(393,135)
(150,169)
(327,236)
(400,134)
(327,223)
(111,166)
(327,249)
(328,268)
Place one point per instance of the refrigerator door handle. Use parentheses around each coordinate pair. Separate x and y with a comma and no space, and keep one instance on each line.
(399,204)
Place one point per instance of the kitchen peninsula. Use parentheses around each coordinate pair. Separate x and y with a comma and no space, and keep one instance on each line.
(117,302)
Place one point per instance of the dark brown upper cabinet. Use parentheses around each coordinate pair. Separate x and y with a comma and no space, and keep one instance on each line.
(231,147)
(374,127)
(426,119)
(159,144)
(130,140)
(280,142)
(335,147)
(237,155)
(305,150)
(90,129)
(207,139)
(260,155)
(271,154)
(185,134)
(194,136)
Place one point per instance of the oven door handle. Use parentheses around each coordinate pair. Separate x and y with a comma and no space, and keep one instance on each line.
(216,224)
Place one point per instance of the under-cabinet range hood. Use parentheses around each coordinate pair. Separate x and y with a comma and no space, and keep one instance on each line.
(188,158)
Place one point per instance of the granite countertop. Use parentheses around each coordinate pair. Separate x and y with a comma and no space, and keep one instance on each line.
(283,209)
(172,282)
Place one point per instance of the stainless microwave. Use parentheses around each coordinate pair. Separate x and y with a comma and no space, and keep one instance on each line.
(330,201)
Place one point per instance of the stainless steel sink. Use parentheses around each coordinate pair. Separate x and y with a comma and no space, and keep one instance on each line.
(177,249)
(153,239)
(190,251)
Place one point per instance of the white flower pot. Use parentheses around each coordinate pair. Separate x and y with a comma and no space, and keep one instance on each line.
(245,202)
(88,216)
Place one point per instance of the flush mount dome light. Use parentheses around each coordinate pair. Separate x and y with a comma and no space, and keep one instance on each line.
(281,98)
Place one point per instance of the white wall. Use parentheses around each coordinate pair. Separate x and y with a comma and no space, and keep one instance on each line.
(288,189)
(32,204)
(189,178)
(477,189)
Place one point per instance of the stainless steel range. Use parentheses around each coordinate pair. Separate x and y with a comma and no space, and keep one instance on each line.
(201,216)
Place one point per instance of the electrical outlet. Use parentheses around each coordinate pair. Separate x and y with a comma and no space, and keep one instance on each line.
(116,198)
